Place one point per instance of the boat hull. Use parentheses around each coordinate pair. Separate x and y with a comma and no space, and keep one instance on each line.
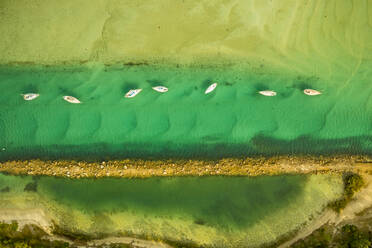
(71,99)
(161,89)
(311,92)
(132,93)
(30,96)
(211,88)
(267,93)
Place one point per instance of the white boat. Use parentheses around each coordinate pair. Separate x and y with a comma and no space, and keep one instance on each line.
(160,89)
(133,93)
(311,92)
(71,99)
(30,96)
(267,93)
(211,88)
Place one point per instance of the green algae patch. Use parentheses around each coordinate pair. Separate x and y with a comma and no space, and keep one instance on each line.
(206,211)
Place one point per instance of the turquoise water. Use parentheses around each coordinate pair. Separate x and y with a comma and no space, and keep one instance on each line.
(231,121)
(218,211)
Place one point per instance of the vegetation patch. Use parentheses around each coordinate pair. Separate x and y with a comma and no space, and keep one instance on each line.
(5,189)
(352,183)
(349,236)
(31,187)
(29,237)
(32,236)
(79,238)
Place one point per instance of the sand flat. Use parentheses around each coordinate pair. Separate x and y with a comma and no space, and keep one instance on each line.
(303,36)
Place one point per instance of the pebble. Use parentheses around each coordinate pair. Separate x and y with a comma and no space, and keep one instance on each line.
(102,167)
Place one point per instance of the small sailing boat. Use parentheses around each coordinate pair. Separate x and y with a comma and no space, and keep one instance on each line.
(133,93)
(30,96)
(211,88)
(160,89)
(71,99)
(267,93)
(311,92)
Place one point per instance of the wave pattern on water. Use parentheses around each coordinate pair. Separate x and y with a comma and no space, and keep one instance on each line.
(233,120)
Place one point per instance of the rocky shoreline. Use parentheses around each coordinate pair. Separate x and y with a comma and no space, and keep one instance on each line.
(138,168)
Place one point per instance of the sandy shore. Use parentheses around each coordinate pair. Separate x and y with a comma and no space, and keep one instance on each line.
(232,167)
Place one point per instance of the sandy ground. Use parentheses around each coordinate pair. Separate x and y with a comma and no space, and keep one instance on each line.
(306,36)
(361,201)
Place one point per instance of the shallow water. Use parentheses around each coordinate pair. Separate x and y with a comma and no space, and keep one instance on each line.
(220,211)
(184,122)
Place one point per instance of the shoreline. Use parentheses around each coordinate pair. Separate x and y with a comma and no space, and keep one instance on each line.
(138,168)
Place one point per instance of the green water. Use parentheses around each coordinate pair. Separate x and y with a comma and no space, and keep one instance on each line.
(220,211)
(231,121)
